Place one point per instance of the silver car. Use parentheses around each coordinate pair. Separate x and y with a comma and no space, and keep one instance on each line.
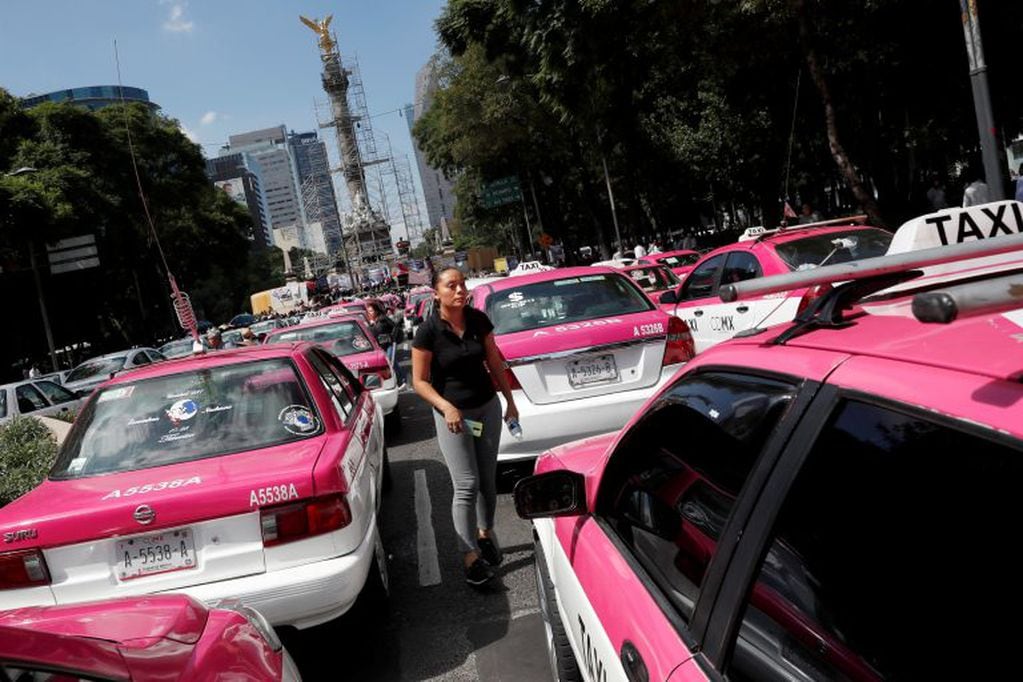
(36,397)
(93,372)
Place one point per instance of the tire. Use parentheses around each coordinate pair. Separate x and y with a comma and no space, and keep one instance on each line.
(378,583)
(564,667)
(392,422)
(387,482)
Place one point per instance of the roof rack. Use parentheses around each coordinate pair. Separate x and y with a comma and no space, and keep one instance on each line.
(759,233)
(969,300)
(871,267)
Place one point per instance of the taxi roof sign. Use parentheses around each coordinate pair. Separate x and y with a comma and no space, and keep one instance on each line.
(958,226)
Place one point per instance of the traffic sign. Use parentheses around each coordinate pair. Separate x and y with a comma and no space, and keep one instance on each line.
(500,192)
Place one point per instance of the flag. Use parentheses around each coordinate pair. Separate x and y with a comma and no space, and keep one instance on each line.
(788,212)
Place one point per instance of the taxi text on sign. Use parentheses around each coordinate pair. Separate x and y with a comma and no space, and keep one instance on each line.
(958,225)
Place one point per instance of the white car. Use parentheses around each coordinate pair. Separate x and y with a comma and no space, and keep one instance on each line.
(93,372)
(38,398)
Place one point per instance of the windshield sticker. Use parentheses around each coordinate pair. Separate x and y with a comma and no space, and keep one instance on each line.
(153,487)
(182,411)
(359,343)
(115,394)
(77,464)
(593,278)
(565,282)
(176,434)
(272,495)
(183,394)
(143,420)
(213,409)
(298,419)
(515,296)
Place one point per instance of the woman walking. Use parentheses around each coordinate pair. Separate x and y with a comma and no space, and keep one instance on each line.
(451,354)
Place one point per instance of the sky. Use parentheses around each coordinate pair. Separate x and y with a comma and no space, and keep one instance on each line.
(221,66)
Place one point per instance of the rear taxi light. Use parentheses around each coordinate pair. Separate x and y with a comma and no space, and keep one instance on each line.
(811,295)
(303,520)
(23,569)
(680,346)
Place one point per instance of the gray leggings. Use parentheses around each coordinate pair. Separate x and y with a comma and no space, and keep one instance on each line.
(472,463)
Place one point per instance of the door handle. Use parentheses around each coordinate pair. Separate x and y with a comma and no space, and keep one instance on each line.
(698,313)
(742,309)
(635,669)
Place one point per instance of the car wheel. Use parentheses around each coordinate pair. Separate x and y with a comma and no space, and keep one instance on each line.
(564,667)
(378,582)
(387,481)
(392,422)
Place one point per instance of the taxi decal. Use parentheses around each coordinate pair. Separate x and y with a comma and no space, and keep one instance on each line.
(153,487)
(967,224)
(594,666)
(648,329)
(182,411)
(587,324)
(19,535)
(298,419)
(272,494)
(115,394)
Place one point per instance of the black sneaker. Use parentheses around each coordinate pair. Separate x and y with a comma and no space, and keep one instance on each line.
(490,552)
(479,573)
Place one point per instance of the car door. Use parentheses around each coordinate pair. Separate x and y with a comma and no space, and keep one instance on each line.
(29,399)
(886,521)
(61,400)
(629,576)
(716,321)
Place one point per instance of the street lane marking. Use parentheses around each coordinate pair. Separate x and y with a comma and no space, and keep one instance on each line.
(426,541)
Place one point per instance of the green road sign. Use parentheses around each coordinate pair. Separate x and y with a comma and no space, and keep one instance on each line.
(501,192)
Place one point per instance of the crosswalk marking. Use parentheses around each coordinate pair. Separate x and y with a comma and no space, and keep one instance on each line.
(426,540)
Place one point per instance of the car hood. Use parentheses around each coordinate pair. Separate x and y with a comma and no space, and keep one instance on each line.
(60,512)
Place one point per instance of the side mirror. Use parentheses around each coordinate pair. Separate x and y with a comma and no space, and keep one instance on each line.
(669,296)
(384,339)
(371,381)
(554,493)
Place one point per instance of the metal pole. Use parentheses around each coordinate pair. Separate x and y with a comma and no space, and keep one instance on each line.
(529,228)
(42,304)
(611,197)
(993,170)
(536,204)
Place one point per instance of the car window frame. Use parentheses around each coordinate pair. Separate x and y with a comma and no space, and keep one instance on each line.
(726,615)
(316,356)
(694,632)
(741,253)
(71,396)
(29,387)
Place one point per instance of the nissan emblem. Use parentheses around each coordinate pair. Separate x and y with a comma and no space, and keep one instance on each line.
(144,514)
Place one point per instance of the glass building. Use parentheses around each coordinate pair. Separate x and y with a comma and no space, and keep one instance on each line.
(92,97)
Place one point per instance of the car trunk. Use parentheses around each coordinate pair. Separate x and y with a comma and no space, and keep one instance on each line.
(205,513)
(587,358)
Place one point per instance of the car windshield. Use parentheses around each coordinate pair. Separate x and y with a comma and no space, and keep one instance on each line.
(829,248)
(342,338)
(263,327)
(177,349)
(188,416)
(560,301)
(654,278)
(680,260)
(100,367)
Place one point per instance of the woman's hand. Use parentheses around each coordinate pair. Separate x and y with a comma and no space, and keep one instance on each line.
(453,418)
(511,412)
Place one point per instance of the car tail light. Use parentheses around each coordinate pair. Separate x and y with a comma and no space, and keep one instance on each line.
(305,519)
(23,569)
(811,295)
(680,346)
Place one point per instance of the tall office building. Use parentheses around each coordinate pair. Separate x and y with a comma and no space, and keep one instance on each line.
(239,176)
(92,97)
(316,187)
(437,189)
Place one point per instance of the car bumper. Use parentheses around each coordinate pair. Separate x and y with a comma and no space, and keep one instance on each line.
(301,596)
(387,396)
(546,426)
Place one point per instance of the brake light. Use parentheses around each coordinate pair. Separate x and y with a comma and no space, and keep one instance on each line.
(811,295)
(680,346)
(24,568)
(298,521)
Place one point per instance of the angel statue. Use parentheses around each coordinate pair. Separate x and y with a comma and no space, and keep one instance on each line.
(322,29)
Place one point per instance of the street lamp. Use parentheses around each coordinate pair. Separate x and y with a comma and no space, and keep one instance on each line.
(26,170)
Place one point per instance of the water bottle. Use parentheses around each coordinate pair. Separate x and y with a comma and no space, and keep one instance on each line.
(513,428)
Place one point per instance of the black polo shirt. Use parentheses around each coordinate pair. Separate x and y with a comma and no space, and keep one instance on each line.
(457,370)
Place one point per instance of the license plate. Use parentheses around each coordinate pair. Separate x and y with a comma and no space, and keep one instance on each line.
(142,555)
(595,370)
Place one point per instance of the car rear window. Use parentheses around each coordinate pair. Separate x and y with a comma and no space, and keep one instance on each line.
(829,248)
(98,367)
(559,301)
(341,338)
(188,416)
(653,278)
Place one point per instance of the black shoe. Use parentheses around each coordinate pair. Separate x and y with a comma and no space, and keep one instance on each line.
(490,552)
(479,573)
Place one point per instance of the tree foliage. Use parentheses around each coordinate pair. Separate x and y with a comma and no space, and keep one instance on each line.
(701,107)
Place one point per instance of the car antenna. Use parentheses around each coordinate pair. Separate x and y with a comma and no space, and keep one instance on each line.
(179,299)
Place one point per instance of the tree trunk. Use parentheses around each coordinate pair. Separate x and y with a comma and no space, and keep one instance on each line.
(838,153)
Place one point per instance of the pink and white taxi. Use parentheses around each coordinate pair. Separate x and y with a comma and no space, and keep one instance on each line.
(680,261)
(145,639)
(348,338)
(415,297)
(585,348)
(253,473)
(762,253)
(826,499)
